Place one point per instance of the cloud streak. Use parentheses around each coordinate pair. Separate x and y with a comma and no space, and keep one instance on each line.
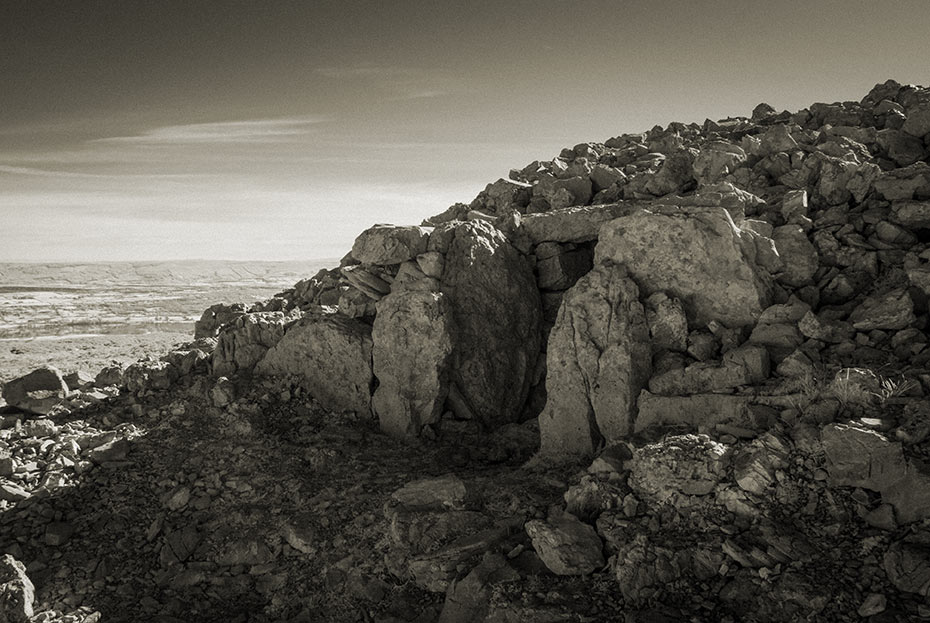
(248,131)
(401,83)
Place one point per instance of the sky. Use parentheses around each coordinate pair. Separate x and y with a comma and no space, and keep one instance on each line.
(277,130)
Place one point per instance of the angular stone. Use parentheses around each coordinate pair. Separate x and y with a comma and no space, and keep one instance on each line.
(675,175)
(566,545)
(390,244)
(800,259)
(244,342)
(698,257)
(37,392)
(598,359)
(443,493)
(412,343)
(150,375)
(110,375)
(668,325)
(918,121)
(692,411)
(331,354)
(892,310)
(579,224)
(17,594)
(908,567)
(860,457)
(680,465)
(434,571)
(495,326)
(911,214)
(564,192)
(717,160)
(910,495)
(215,318)
(13,493)
(742,366)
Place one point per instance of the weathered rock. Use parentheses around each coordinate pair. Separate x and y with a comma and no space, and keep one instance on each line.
(17,593)
(918,121)
(150,375)
(467,599)
(891,310)
(566,545)
(668,325)
(223,392)
(860,457)
(598,359)
(800,260)
(755,466)
(908,567)
(578,224)
(79,380)
(244,342)
(564,192)
(331,353)
(692,411)
(495,327)
(390,244)
(215,318)
(911,214)
(675,175)
(717,160)
(434,571)
(677,468)
(698,257)
(443,493)
(412,343)
(37,392)
(110,375)
(741,366)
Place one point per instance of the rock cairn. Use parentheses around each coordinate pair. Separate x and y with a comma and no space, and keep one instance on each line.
(726,322)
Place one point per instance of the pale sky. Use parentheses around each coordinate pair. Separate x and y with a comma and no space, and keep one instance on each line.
(139,130)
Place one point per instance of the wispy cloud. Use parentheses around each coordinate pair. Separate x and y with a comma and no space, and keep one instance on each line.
(36,172)
(401,83)
(249,131)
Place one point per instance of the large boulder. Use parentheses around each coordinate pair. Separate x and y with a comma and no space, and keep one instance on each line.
(566,545)
(577,224)
(390,244)
(496,316)
(697,255)
(331,353)
(37,392)
(412,343)
(244,342)
(598,359)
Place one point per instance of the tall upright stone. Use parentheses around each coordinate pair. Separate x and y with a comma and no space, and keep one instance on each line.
(412,343)
(496,317)
(598,360)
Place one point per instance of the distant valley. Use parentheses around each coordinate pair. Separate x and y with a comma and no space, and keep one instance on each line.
(52,300)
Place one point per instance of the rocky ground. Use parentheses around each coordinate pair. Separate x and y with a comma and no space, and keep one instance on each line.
(17,357)
(678,376)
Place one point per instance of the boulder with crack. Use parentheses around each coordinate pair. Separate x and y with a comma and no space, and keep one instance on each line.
(598,360)
(695,254)
(331,354)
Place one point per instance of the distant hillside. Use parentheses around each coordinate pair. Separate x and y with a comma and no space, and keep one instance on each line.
(181,272)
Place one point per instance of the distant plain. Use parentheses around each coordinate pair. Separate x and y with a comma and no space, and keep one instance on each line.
(82,316)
